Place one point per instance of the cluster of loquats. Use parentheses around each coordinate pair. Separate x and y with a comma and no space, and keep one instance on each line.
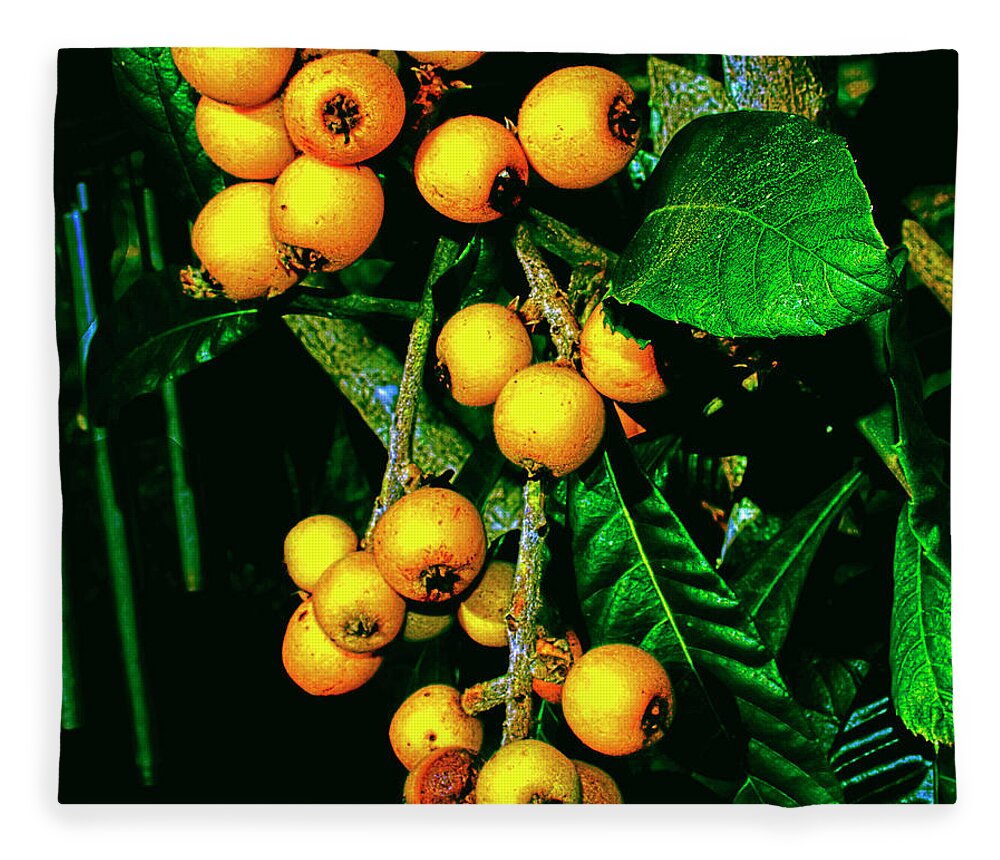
(296,128)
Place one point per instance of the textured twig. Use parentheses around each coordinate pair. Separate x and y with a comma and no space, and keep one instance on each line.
(545,300)
(485,695)
(525,601)
(400,470)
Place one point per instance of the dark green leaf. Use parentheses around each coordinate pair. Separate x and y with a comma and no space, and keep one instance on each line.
(163,104)
(769,589)
(787,84)
(758,226)
(676,96)
(642,580)
(154,333)
(920,640)
(828,686)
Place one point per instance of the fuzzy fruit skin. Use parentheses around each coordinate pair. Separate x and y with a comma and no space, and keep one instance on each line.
(483,614)
(556,657)
(422,627)
(609,693)
(355,605)
(232,238)
(430,545)
(327,210)
(528,771)
(236,76)
(317,665)
(598,786)
(372,93)
(616,365)
(447,775)
(458,164)
(548,417)
(429,719)
(481,347)
(563,126)
(248,142)
(448,60)
(313,544)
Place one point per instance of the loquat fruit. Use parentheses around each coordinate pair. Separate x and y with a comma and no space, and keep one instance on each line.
(248,142)
(616,365)
(483,614)
(316,664)
(236,76)
(548,417)
(313,544)
(232,238)
(598,786)
(429,719)
(479,349)
(343,108)
(618,699)
(355,606)
(422,627)
(577,126)
(528,771)
(430,545)
(471,169)
(448,60)
(325,216)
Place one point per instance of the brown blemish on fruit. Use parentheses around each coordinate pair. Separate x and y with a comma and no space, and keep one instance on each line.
(623,121)
(658,715)
(341,115)
(507,191)
(448,777)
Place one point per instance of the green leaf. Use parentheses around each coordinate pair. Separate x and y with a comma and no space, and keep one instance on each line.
(155,333)
(787,84)
(829,687)
(676,96)
(770,587)
(162,104)
(758,226)
(642,580)
(920,639)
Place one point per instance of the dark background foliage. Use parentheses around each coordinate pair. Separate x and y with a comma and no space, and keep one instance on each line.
(269,440)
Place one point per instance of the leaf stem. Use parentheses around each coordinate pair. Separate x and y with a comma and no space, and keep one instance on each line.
(401,471)
(546,301)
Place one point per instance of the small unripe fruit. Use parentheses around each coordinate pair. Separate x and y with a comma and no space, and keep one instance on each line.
(553,659)
(471,169)
(447,775)
(429,719)
(325,216)
(448,60)
(248,142)
(237,76)
(528,771)
(618,699)
(422,627)
(483,614)
(616,365)
(232,238)
(355,606)
(577,126)
(598,786)
(479,349)
(313,544)
(316,664)
(550,418)
(430,545)
(344,107)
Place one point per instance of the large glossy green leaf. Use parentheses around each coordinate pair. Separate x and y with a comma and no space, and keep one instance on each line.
(162,104)
(758,225)
(770,587)
(920,641)
(642,580)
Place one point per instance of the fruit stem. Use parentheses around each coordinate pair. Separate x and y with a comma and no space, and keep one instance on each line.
(546,301)
(522,633)
(400,471)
